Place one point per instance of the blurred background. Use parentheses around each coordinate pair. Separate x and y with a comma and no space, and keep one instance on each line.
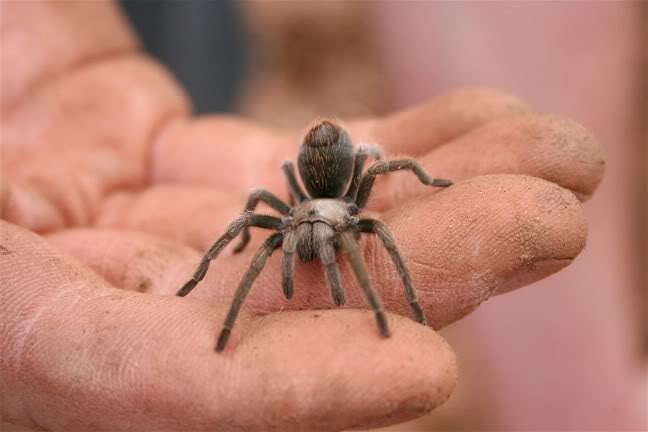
(569,353)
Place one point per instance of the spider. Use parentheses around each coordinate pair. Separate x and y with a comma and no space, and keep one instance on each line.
(320,223)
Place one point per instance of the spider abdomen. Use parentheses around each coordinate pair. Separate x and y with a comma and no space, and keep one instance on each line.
(325,160)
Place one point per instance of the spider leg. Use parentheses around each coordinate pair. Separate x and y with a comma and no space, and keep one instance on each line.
(350,249)
(377,227)
(258,262)
(383,167)
(288,263)
(254,198)
(245,220)
(295,190)
(325,235)
(364,151)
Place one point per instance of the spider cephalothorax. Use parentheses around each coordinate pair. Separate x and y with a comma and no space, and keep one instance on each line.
(320,223)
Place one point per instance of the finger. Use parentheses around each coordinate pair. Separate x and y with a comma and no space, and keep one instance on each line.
(30,208)
(419,129)
(223,150)
(558,150)
(194,215)
(80,355)
(238,154)
(486,235)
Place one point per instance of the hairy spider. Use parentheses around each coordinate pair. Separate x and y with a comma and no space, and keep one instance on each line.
(321,223)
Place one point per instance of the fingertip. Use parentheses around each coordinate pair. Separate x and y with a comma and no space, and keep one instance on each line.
(559,150)
(335,356)
(576,159)
(555,149)
(485,235)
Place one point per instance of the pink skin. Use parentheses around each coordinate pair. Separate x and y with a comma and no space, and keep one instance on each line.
(100,155)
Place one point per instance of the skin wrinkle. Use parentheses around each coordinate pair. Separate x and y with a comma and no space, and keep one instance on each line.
(27,325)
(9,271)
(26,370)
(122,364)
(430,289)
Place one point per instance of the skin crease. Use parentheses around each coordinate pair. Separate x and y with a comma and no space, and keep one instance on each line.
(129,191)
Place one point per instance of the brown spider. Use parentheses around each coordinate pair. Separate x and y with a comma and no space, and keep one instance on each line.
(320,224)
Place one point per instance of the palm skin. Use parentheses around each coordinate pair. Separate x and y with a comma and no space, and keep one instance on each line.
(101,158)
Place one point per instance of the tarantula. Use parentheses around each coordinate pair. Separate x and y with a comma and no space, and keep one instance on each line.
(321,222)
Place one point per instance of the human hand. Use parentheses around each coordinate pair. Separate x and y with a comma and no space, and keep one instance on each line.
(103,160)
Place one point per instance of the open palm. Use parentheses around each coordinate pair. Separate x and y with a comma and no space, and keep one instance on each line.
(101,158)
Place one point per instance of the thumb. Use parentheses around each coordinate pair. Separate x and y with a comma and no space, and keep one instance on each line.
(78,354)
